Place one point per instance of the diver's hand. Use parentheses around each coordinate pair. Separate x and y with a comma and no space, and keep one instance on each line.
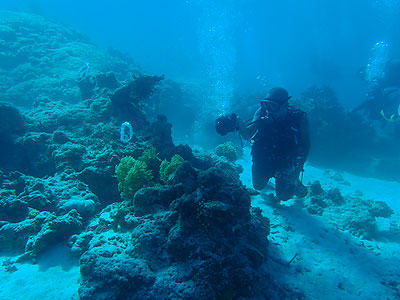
(267,120)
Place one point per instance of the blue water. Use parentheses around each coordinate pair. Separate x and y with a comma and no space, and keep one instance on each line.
(239,46)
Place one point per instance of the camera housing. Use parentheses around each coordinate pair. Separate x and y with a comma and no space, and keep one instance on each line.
(226,123)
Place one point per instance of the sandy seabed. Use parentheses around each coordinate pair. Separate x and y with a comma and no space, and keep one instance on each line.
(307,252)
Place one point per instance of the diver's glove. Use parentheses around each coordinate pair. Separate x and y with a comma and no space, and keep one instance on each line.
(226,123)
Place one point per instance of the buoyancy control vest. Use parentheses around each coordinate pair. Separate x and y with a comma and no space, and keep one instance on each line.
(280,139)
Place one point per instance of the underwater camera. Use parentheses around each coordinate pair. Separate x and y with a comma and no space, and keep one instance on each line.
(226,123)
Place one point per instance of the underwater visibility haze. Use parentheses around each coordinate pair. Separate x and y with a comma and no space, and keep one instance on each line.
(200,150)
(248,44)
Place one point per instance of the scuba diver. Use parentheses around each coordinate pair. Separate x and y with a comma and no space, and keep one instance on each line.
(383,101)
(281,143)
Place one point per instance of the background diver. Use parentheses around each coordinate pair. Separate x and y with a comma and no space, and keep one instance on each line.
(383,97)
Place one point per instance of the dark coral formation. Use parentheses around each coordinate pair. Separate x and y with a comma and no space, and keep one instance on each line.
(128,100)
(138,89)
(12,125)
(194,238)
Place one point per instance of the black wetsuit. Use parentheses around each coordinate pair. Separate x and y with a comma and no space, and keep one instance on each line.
(278,148)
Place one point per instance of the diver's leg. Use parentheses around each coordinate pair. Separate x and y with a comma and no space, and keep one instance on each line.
(260,174)
(288,184)
(285,187)
(301,189)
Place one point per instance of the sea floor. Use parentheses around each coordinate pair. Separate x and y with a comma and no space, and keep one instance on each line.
(42,281)
(307,252)
(322,262)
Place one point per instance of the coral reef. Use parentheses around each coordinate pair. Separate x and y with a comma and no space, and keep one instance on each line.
(128,101)
(187,230)
(227,150)
(12,125)
(36,213)
(354,214)
(196,240)
(132,175)
(40,60)
(152,160)
(167,169)
(11,121)
(135,91)
(160,135)
(53,231)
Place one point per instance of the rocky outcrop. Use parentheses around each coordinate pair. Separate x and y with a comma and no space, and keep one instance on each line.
(37,213)
(195,238)
(353,214)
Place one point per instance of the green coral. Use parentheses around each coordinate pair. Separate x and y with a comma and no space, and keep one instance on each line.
(150,157)
(132,175)
(167,169)
(149,154)
(227,150)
